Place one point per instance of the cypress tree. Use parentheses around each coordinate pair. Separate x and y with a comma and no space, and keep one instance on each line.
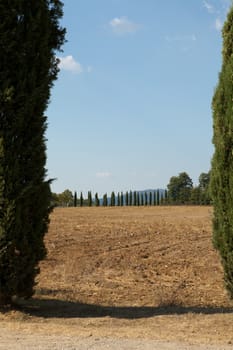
(157,197)
(127,198)
(138,199)
(135,198)
(30,34)
(130,198)
(105,200)
(97,202)
(122,199)
(113,199)
(150,198)
(146,199)
(118,199)
(142,199)
(75,199)
(89,199)
(222,162)
(81,199)
(154,198)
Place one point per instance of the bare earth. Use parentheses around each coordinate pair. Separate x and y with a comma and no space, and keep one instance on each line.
(125,278)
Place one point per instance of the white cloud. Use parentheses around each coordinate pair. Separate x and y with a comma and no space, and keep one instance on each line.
(186,38)
(218,24)
(69,63)
(105,174)
(209,7)
(122,25)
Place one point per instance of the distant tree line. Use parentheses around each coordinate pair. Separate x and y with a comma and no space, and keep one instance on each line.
(129,198)
(180,190)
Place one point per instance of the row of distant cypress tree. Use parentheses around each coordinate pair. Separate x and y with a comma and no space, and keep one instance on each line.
(129,198)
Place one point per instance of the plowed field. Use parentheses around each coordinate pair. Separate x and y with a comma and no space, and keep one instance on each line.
(128,273)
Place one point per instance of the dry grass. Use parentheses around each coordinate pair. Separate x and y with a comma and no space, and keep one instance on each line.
(130,272)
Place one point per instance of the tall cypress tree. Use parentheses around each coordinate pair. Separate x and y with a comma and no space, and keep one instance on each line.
(30,35)
(89,199)
(97,201)
(81,199)
(135,198)
(105,200)
(113,199)
(222,162)
(146,198)
(150,198)
(75,199)
(122,199)
(130,198)
(127,198)
(118,199)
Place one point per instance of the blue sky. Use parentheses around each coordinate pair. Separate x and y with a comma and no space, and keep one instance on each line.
(132,104)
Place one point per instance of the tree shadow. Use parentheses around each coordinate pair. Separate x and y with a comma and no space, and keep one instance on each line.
(55,308)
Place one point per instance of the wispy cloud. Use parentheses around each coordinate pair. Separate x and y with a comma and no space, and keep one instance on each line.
(104,174)
(218,12)
(70,64)
(218,24)
(182,38)
(209,7)
(122,25)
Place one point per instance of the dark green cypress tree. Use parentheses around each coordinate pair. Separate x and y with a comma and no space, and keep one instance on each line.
(142,199)
(118,199)
(89,199)
(146,199)
(75,199)
(122,199)
(135,198)
(113,199)
(127,198)
(158,197)
(222,162)
(97,202)
(154,198)
(105,200)
(138,199)
(81,199)
(150,198)
(30,34)
(130,198)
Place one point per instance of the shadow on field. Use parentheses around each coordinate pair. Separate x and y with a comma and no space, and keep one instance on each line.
(53,308)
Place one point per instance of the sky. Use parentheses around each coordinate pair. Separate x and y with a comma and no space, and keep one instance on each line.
(132,104)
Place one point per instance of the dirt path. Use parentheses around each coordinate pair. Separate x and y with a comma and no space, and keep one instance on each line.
(17,341)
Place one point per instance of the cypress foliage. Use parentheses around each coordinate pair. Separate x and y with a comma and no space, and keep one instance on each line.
(29,36)
(157,197)
(138,199)
(89,199)
(130,198)
(118,199)
(105,200)
(75,199)
(122,199)
(222,162)
(146,199)
(113,199)
(97,202)
(150,198)
(127,198)
(135,198)
(81,199)
(142,199)
(154,198)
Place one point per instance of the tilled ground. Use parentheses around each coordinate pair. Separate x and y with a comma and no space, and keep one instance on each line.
(126,274)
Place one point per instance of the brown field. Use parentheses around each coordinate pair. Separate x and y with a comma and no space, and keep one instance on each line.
(136,273)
